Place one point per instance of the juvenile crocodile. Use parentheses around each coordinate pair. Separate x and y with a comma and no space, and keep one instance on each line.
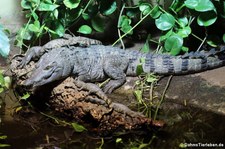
(37,51)
(98,63)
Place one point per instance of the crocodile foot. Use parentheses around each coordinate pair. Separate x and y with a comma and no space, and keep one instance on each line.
(93,88)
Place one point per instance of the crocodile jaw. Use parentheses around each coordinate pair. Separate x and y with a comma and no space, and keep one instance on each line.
(41,76)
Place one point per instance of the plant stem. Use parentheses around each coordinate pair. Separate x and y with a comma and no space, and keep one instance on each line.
(133,27)
(162,97)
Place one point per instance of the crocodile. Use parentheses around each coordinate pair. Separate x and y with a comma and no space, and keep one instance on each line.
(97,63)
(37,51)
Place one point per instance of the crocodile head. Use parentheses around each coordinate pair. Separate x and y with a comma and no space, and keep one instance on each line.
(48,69)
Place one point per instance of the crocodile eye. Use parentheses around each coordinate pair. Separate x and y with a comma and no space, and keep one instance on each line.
(48,67)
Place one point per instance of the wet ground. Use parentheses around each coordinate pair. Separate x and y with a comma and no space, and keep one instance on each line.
(184,125)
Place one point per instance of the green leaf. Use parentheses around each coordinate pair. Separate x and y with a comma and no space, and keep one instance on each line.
(25,96)
(119,140)
(138,95)
(224,38)
(3,137)
(213,40)
(2,81)
(207,18)
(145,8)
(184,32)
(107,7)
(85,29)
(191,3)
(35,27)
(200,5)
(4,44)
(183,21)
(139,69)
(47,6)
(71,3)
(185,49)
(145,48)
(165,22)
(124,24)
(204,5)
(167,35)
(155,12)
(7,81)
(25,4)
(132,12)
(174,44)
(1,89)
(59,28)
(4,145)
(98,23)
(78,128)
(151,78)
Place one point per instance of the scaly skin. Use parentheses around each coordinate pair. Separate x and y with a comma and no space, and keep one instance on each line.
(37,51)
(98,63)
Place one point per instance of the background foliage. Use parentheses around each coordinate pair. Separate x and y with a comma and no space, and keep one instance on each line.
(174,20)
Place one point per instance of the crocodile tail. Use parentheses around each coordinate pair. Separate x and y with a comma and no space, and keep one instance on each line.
(188,63)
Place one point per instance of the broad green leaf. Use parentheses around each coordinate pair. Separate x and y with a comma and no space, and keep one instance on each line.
(98,23)
(204,5)
(24,33)
(47,6)
(107,7)
(139,69)
(145,48)
(71,3)
(183,21)
(85,29)
(191,3)
(165,22)
(78,128)
(86,16)
(200,5)
(25,4)
(4,44)
(184,32)
(207,18)
(59,28)
(145,8)
(167,35)
(35,27)
(56,13)
(174,44)
(155,12)
(124,24)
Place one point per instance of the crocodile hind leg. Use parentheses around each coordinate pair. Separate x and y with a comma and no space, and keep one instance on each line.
(92,88)
(114,67)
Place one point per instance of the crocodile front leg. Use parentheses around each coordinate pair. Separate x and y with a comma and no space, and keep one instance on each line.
(92,88)
(32,53)
(114,67)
